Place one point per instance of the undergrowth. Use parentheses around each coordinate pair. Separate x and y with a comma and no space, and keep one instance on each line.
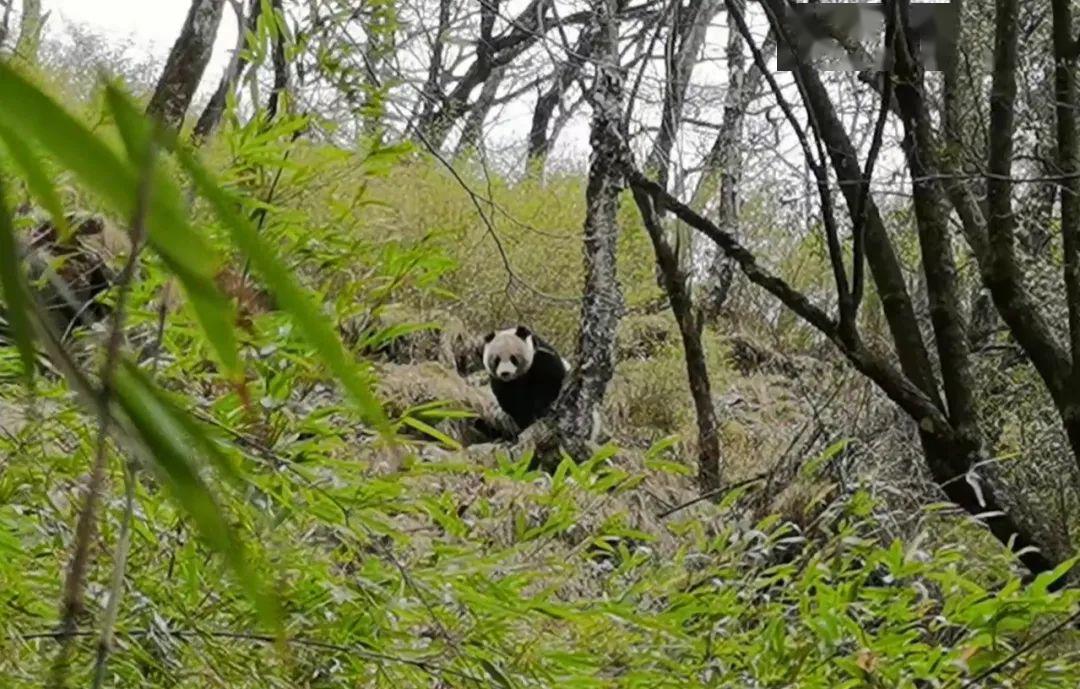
(398,566)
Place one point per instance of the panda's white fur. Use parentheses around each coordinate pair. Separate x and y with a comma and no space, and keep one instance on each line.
(526,373)
(508,356)
(515,353)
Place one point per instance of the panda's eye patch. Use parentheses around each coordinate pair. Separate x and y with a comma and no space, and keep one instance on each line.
(514,360)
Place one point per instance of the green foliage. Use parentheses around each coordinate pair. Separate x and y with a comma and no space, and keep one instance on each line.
(14,290)
(513,249)
(417,566)
(115,179)
(394,579)
(138,189)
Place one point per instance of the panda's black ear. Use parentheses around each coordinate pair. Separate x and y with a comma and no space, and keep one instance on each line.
(489,337)
(523,332)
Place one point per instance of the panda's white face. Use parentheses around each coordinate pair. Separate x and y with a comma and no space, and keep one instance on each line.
(508,354)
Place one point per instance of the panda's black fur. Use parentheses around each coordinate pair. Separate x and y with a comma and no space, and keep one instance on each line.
(535,386)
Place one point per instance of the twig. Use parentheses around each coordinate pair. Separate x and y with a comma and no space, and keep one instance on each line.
(859,215)
(1000,665)
(713,493)
(116,585)
(356,650)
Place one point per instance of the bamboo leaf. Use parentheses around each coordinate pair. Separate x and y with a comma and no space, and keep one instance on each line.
(163,434)
(289,294)
(193,432)
(37,179)
(186,253)
(431,431)
(15,291)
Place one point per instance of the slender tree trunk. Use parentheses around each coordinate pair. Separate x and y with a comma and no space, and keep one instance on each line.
(1000,268)
(950,456)
(30,27)
(686,37)
(1066,72)
(950,440)
(279,91)
(991,230)
(215,108)
(881,257)
(186,63)
(602,304)
(723,164)
(5,22)
(946,314)
(1066,55)
(955,456)
(432,95)
(492,52)
(690,322)
(474,123)
(540,136)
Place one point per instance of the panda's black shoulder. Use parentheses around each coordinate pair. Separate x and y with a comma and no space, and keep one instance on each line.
(547,364)
(542,345)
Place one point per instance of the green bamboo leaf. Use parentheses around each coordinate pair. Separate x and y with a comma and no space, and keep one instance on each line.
(813,467)
(193,431)
(186,253)
(135,129)
(10,543)
(1043,582)
(37,180)
(289,294)
(431,431)
(15,291)
(214,311)
(164,435)
(496,674)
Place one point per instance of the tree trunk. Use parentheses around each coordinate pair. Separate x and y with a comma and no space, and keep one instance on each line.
(690,322)
(432,95)
(5,22)
(881,257)
(281,68)
(186,63)
(540,136)
(474,123)
(685,40)
(1001,271)
(492,52)
(30,27)
(215,108)
(950,455)
(602,304)
(950,440)
(1066,60)
(946,316)
(724,161)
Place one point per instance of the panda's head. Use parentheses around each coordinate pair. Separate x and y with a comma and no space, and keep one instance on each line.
(508,354)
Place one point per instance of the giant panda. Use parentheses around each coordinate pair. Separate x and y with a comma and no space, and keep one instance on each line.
(526,373)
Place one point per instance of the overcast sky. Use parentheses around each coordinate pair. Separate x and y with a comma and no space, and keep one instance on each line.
(152,25)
